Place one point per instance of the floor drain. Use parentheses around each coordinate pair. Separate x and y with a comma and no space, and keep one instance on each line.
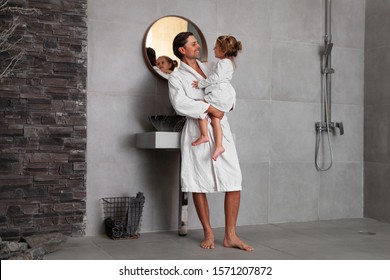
(366,232)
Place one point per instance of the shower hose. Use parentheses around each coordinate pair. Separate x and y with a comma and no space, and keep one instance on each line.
(319,129)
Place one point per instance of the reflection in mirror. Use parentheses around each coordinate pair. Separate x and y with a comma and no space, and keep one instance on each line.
(157,44)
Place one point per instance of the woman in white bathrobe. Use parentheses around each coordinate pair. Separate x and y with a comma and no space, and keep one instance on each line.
(199,173)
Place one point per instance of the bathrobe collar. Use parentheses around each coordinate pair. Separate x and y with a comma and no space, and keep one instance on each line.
(186,67)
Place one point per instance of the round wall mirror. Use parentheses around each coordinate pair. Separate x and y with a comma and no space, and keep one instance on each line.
(157,43)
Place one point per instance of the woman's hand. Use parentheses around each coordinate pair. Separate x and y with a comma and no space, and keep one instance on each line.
(195,84)
(215,112)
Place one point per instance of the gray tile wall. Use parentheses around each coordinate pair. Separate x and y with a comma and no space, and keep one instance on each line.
(377,111)
(279,87)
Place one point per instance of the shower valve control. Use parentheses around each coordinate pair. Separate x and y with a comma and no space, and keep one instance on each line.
(322,126)
(341,127)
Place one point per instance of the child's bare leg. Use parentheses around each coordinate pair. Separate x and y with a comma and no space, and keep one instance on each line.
(218,134)
(204,135)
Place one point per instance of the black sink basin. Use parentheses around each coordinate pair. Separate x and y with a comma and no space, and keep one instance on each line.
(173,123)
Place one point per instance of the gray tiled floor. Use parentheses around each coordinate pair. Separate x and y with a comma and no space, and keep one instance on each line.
(346,239)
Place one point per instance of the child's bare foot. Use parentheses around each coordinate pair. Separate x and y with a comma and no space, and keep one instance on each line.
(235,242)
(200,140)
(218,151)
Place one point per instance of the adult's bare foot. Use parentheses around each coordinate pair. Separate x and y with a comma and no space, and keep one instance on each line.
(208,242)
(235,242)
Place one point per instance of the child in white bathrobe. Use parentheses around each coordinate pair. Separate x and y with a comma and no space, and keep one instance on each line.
(218,90)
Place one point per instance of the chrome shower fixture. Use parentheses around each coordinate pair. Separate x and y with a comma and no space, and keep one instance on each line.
(327,70)
(328,49)
(326,125)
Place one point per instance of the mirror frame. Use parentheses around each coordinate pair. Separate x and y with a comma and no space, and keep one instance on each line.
(202,43)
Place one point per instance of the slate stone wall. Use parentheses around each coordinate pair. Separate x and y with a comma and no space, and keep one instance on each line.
(43,122)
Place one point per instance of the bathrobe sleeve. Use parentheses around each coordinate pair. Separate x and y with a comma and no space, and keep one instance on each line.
(186,100)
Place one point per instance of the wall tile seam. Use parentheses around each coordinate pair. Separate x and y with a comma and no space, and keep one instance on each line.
(244,162)
(360,50)
(377,47)
(315,44)
(131,24)
(348,104)
(252,98)
(312,161)
(312,44)
(378,162)
(381,104)
(308,102)
(385,12)
(93,93)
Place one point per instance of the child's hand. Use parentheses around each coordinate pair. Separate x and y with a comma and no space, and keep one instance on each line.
(195,84)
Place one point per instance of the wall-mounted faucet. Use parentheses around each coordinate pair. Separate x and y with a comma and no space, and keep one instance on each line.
(322,126)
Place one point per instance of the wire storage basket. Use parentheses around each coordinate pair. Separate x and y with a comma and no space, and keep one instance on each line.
(122,216)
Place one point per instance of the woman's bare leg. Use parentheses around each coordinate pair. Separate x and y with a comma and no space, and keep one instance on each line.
(202,208)
(232,204)
(204,135)
(218,134)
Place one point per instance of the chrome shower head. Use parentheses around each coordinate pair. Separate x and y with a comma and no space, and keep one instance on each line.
(328,49)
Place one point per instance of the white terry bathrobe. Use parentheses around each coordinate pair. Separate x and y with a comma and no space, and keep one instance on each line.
(199,172)
(219,92)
